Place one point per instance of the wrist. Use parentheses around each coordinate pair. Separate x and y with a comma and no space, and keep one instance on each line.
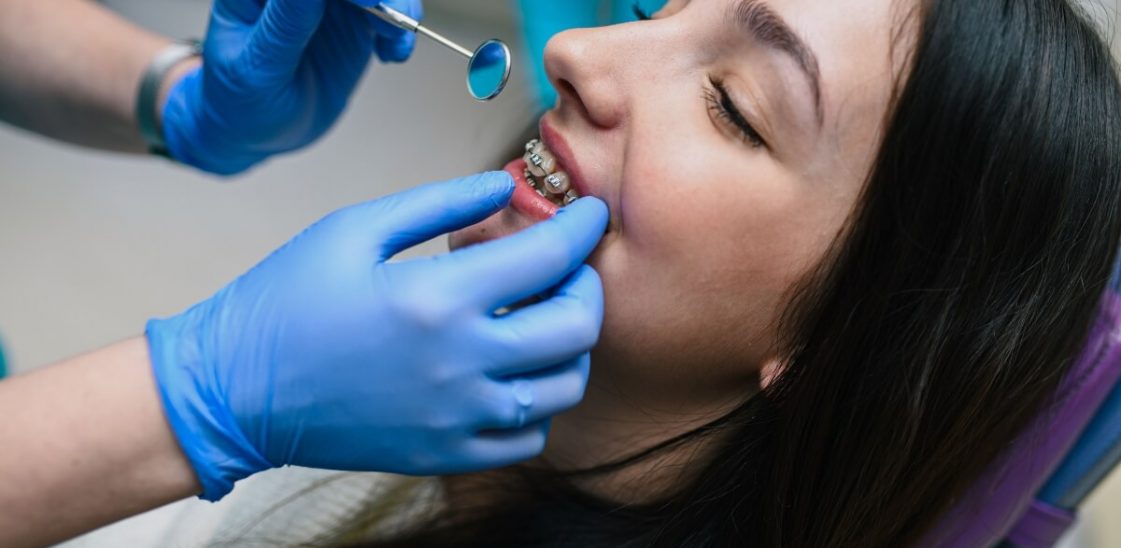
(199,416)
(192,135)
(174,76)
(150,92)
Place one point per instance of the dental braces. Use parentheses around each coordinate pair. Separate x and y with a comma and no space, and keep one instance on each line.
(555,185)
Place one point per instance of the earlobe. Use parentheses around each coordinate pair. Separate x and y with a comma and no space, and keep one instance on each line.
(769,373)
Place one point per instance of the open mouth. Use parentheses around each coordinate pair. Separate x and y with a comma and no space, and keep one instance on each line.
(542,186)
(543,174)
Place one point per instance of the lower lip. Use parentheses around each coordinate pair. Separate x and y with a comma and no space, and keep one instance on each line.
(526,200)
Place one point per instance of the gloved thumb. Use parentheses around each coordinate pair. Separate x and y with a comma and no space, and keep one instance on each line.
(283,32)
(394,45)
(415,216)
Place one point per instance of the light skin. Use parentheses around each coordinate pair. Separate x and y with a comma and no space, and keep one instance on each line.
(70,71)
(94,447)
(710,227)
(708,233)
(91,452)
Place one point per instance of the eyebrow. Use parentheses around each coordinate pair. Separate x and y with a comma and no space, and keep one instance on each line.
(758,19)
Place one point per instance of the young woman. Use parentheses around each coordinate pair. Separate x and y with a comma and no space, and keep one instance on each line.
(854,247)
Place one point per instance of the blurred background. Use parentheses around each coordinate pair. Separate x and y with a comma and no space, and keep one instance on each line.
(92,245)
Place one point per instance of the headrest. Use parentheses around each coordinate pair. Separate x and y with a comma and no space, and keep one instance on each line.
(989,511)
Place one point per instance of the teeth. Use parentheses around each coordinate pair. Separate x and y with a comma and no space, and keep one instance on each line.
(542,174)
(557,183)
(533,182)
(541,162)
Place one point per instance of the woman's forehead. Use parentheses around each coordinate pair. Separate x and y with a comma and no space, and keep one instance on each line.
(854,45)
(850,39)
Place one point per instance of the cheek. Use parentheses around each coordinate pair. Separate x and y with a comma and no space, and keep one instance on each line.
(725,230)
(700,272)
(680,324)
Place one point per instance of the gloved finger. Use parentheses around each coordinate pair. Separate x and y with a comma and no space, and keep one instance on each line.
(550,332)
(415,216)
(498,448)
(281,36)
(396,49)
(242,11)
(393,44)
(526,400)
(343,45)
(502,272)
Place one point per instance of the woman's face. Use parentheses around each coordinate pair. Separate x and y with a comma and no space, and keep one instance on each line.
(730,140)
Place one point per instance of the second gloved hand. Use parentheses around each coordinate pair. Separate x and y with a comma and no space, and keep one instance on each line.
(276,75)
(326,355)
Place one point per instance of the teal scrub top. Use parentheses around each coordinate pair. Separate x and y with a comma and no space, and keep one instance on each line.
(541,19)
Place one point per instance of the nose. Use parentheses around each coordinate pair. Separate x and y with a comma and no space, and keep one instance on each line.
(585,67)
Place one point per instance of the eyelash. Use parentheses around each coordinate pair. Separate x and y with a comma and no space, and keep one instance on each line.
(720,104)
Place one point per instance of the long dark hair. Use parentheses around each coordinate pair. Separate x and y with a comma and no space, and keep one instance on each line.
(935,329)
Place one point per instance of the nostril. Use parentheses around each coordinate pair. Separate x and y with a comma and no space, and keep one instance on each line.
(566,90)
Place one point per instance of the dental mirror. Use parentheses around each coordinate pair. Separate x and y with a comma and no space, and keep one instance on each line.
(488,70)
(488,67)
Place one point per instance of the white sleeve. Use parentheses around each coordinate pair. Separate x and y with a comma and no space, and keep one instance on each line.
(286,506)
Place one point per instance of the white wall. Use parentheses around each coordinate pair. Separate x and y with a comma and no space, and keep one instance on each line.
(93,245)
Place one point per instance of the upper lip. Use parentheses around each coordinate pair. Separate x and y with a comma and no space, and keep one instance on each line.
(556,144)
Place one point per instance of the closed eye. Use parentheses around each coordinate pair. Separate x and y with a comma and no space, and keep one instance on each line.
(721,106)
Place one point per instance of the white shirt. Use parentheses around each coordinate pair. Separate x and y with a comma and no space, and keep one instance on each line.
(281,507)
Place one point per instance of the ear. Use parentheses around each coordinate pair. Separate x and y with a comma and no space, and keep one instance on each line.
(769,372)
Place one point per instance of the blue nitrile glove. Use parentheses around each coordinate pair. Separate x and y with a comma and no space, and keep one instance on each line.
(275,77)
(326,355)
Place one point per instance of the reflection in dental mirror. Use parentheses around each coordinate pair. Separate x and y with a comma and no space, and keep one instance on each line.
(488,70)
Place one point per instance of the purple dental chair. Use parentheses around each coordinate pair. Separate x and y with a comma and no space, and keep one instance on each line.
(1029,497)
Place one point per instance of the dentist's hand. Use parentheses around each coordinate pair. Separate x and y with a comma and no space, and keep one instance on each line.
(276,75)
(326,355)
